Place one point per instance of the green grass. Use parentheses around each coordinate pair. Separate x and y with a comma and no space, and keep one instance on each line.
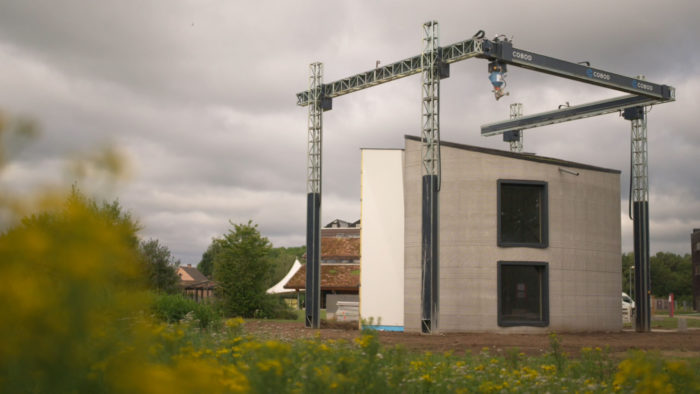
(689,313)
(302,312)
(668,323)
(300,317)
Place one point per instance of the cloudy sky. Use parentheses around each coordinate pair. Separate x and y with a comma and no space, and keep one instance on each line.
(199,96)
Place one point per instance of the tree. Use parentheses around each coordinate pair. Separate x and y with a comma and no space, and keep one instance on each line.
(242,269)
(206,265)
(282,260)
(670,273)
(160,266)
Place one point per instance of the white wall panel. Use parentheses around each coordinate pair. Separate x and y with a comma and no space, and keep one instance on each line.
(382,233)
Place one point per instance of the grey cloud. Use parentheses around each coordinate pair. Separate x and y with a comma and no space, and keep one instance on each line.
(201,96)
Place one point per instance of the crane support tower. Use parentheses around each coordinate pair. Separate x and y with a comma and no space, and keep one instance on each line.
(434,64)
(515,137)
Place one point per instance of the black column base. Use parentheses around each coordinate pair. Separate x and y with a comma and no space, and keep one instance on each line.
(642,271)
(313,257)
(430,258)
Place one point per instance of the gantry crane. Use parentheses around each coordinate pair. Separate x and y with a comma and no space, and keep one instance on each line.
(434,64)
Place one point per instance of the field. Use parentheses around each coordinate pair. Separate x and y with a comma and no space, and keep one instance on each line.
(668,342)
(664,361)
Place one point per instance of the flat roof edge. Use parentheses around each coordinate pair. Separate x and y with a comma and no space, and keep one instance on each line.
(521,156)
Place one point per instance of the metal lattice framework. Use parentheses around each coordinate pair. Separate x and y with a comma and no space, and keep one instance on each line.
(516,111)
(430,155)
(458,51)
(567,114)
(433,63)
(430,89)
(313,189)
(640,165)
(315,125)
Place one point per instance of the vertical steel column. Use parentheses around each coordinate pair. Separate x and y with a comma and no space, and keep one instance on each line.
(430,154)
(640,212)
(516,111)
(313,190)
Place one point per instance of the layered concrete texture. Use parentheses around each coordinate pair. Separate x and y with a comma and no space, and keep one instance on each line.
(582,255)
(382,236)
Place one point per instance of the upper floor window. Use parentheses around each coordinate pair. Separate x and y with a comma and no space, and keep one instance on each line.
(522,214)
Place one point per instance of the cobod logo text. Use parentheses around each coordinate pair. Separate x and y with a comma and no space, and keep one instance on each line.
(597,74)
(642,85)
(523,56)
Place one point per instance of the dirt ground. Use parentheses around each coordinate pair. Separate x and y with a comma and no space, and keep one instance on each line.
(671,342)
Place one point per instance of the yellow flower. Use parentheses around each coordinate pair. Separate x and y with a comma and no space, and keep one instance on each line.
(271,365)
(222,351)
(364,341)
(234,322)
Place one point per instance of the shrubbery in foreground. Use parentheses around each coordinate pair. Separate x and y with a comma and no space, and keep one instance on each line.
(172,308)
(77,318)
(316,366)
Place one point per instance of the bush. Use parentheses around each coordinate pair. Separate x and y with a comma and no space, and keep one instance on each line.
(74,289)
(208,315)
(172,308)
(274,307)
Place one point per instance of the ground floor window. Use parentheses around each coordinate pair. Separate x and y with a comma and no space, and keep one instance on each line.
(523,298)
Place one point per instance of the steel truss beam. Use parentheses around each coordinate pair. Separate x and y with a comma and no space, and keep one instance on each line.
(503,51)
(566,114)
(458,51)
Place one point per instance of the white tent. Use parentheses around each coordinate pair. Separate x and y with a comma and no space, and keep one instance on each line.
(279,287)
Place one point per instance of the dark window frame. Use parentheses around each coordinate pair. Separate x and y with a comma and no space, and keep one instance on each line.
(545,295)
(544,220)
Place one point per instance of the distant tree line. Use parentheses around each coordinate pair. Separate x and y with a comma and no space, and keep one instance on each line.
(670,273)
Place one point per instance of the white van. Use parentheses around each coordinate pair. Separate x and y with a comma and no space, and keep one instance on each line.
(627,300)
(627,308)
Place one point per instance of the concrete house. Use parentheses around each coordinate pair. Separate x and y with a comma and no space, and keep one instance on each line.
(526,243)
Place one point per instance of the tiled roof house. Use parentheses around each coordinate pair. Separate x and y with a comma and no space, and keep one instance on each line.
(194,283)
